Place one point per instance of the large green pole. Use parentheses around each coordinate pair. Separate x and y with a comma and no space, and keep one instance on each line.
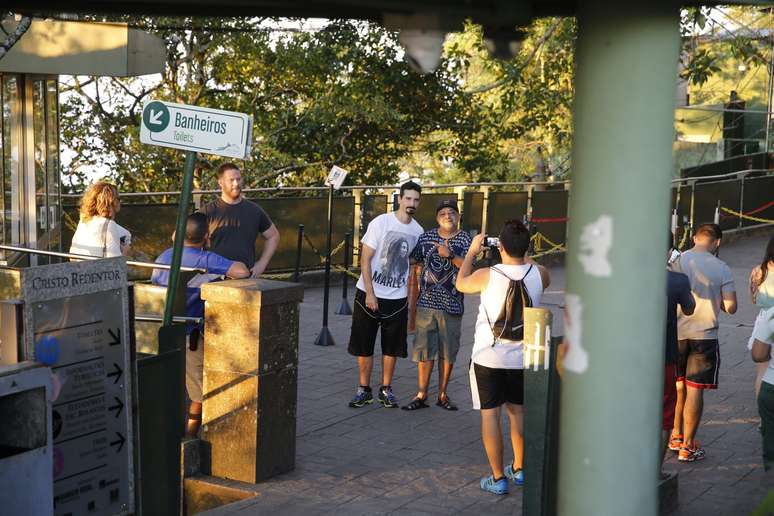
(177,250)
(626,76)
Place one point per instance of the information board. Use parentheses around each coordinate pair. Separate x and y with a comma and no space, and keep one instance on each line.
(78,313)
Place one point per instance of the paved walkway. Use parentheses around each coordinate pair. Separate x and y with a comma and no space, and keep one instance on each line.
(379,461)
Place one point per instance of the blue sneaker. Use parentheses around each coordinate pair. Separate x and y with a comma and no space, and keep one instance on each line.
(387,398)
(516,476)
(499,487)
(362,398)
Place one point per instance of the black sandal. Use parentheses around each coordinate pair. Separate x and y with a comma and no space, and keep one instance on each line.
(446,403)
(416,404)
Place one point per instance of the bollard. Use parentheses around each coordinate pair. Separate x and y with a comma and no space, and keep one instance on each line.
(541,414)
(296,271)
(325,338)
(344,308)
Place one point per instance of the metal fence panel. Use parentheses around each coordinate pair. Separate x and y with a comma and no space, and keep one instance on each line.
(288,212)
(472,210)
(758,200)
(504,206)
(549,214)
(707,197)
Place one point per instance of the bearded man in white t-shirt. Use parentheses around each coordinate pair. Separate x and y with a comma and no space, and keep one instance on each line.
(497,368)
(381,297)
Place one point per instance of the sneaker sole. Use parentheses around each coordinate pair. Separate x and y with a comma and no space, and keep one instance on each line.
(387,405)
(674,448)
(360,405)
(690,459)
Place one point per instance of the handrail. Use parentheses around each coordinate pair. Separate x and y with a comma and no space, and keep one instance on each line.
(350,187)
(145,265)
(397,187)
(176,318)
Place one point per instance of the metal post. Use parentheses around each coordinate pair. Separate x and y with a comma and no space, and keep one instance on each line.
(741,199)
(325,338)
(693,207)
(297,270)
(611,394)
(177,250)
(344,308)
(484,208)
(356,226)
(460,191)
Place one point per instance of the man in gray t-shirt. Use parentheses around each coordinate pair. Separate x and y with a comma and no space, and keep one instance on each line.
(698,361)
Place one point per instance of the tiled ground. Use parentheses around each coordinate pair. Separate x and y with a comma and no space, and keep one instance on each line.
(377,461)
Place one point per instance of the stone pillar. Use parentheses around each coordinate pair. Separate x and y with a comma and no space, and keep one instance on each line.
(250,377)
(616,271)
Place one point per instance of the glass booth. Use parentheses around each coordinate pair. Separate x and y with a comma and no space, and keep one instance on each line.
(30,199)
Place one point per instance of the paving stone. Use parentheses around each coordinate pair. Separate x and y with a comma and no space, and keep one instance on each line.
(379,461)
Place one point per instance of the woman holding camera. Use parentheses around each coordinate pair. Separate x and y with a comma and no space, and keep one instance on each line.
(97,233)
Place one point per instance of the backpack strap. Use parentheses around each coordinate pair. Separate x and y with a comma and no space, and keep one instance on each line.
(502,273)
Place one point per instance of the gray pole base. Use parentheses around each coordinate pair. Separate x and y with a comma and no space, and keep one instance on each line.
(324,338)
(344,308)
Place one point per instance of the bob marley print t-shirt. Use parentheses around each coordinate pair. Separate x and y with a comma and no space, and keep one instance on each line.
(393,242)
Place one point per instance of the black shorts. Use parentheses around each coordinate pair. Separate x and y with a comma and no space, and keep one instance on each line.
(494,387)
(392,317)
(698,363)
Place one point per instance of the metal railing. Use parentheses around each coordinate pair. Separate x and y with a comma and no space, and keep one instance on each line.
(132,263)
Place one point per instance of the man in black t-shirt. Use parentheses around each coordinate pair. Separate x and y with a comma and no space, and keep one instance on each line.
(235,223)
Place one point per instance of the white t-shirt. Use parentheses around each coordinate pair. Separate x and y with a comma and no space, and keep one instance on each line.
(504,354)
(764,332)
(393,242)
(710,278)
(99,236)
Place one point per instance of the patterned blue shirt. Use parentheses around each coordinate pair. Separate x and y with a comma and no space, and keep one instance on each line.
(438,276)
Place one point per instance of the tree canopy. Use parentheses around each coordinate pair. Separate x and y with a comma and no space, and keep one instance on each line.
(341,93)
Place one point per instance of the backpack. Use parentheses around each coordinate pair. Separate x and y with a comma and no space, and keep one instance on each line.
(509,324)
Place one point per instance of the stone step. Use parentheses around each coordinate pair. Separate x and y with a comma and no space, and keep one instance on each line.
(203,493)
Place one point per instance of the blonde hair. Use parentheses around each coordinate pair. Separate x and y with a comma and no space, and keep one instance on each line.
(99,200)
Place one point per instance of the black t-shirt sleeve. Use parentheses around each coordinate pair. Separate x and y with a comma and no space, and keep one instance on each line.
(263,220)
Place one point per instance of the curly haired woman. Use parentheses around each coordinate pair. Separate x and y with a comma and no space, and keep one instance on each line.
(97,233)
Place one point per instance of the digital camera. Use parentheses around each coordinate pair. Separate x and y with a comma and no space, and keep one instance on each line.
(492,242)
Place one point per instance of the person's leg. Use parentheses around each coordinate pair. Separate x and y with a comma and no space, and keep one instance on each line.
(425,349)
(365,325)
(194,375)
(680,365)
(766,411)
(694,405)
(394,333)
(677,429)
(450,328)
(362,339)
(701,373)
(365,366)
(388,369)
(194,419)
(425,370)
(516,419)
(492,437)
(444,374)
(760,370)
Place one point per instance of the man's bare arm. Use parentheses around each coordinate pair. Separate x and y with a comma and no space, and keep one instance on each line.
(366,256)
(272,238)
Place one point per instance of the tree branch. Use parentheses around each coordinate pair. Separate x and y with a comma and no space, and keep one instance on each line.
(14,37)
(517,71)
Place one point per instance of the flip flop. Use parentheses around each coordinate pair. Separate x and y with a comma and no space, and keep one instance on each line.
(416,404)
(446,403)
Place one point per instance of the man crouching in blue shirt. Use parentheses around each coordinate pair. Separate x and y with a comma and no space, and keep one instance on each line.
(216,266)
